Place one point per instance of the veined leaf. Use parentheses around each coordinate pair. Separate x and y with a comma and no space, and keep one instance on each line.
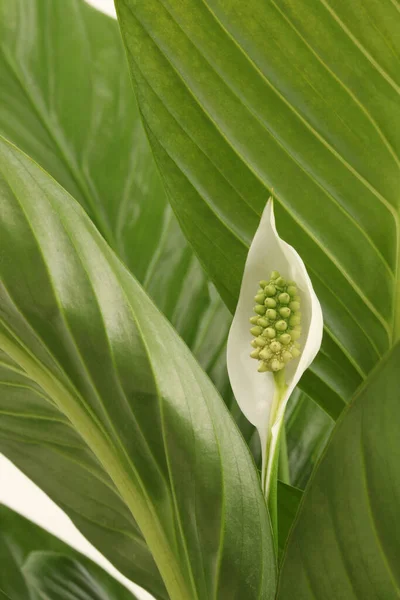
(32,559)
(101,156)
(85,331)
(64,103)
(242,98)
(288,503)
(39,439)
(308,429)
(346,541)
(56,577)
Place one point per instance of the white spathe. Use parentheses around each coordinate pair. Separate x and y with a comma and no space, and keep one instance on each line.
(254,391)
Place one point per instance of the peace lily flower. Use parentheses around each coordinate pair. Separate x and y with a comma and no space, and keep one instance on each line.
(275,335)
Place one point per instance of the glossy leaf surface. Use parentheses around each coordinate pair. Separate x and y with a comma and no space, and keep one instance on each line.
(39,439)
(64,103)
(56,577)
(85,331)
(101,156)
(242,98)
(29,554)
(346,541)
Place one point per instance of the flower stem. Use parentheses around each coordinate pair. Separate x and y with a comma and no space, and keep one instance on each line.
(271,457)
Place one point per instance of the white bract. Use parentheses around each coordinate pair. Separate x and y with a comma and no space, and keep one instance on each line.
(258,394)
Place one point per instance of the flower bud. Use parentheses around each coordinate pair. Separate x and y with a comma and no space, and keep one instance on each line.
(285,339)
(270,290)
(270,303)
(263,367)
(259,298)
(284,298)
(262,322)
(271,314)
(270,333)
(287,356)
(256,331)
(265,354)
(276,365)
(275,347)
(276,323)
(281,326)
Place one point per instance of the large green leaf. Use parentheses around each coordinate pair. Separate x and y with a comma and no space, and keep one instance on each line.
(84,330)
(64,103)
(302,98)
(32,559)
(346,542)
(101,157)
(40,440)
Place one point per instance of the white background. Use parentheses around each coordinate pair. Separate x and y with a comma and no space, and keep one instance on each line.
(18,492)
(106,6)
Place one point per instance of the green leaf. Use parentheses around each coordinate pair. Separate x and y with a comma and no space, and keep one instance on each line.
(308,429)
(32,559)
(242,98)
(288,503)
(84,330)
(39,439)
(102,157)
(93,143)
(346,541)
(57,577)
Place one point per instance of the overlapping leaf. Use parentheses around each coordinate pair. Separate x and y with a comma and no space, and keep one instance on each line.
(346,542)
(242,98)
(66,103)
(85,331)
(63,101)
(35,564)
(38,438)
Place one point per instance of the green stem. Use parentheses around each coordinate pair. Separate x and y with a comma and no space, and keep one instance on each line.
(270,474)
(283,469)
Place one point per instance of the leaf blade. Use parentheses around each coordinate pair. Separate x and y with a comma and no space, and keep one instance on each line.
(348,517)
(256,115)
(85,331)
(23,542)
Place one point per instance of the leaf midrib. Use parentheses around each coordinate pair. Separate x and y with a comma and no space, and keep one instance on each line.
(98,441)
